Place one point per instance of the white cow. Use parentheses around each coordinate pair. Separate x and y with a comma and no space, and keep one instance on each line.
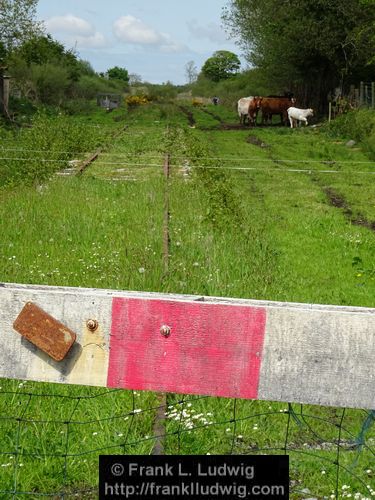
(248,107)
(301,115)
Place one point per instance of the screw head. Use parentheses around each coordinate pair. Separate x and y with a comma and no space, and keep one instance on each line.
(165,330)
(92,324)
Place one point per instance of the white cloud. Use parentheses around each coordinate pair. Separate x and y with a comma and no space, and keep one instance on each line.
(210,31)
(76,31)
(95,41)
(69,24)
(133,30)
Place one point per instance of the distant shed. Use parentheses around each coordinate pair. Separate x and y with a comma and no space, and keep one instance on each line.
(108,101)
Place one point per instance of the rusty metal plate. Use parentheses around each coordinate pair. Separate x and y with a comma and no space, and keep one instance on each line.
(44,331)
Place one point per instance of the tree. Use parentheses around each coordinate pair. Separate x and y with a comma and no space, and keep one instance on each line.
(18,22)
(309,46)
(223,64)
(44,49)
(117,73)
(45,71)
(85,68)
(134,79)
(50,82)
(191,72)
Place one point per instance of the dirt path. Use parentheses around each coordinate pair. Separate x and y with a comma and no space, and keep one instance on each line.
(217,117)
(335,199)
(338,201)
(189,115)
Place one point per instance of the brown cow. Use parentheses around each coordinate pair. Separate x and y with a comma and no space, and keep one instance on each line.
(248,107)
(276,106)
(254,107)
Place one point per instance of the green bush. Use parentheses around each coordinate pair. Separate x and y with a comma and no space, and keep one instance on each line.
(89,85)
(46,147)
(79,106)
(358,125)
(50,81)
(163,92)
(247,83)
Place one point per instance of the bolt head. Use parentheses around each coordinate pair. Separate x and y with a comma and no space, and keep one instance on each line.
(165,330)
(92,324)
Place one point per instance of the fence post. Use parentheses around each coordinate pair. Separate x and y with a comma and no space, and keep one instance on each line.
(4,94)
(356,98)
(159,422)
(373,95)
(361,93)
(329,111)
(166,215)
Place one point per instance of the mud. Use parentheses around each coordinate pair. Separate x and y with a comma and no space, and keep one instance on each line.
(236,126)
(217,117)
(338,201)
(189,114)
(252,139)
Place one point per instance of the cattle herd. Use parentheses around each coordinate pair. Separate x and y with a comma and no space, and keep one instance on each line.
(249,107)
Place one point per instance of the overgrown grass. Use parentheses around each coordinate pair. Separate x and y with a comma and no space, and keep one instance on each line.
(358,125)
(265,233)
(32,155)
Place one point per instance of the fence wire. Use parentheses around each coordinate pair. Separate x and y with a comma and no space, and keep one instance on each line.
(52,436)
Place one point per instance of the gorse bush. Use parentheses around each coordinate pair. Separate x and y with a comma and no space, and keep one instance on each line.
(136,100)
(197,102)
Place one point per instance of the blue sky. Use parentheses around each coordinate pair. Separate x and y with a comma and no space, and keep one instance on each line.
(152,38)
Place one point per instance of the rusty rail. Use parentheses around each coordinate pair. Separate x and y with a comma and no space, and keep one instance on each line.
(94,156)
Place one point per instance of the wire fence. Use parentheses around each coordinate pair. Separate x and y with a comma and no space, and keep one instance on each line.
(183,157)
(56,454)
(135,162)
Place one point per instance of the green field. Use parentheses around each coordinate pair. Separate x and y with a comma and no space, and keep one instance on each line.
(250,217)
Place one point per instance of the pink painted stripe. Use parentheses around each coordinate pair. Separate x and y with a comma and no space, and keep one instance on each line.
(213,349)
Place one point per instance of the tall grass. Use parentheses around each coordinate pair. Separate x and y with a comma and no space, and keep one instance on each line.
(358,125)
(32,155)
(265,233)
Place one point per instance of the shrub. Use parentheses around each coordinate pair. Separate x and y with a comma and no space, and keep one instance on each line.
(358,125)
(47,146)
(197,102)
(136,100)
(51,82)
(163,92)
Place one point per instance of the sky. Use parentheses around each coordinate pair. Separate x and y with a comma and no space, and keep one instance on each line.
(154,39)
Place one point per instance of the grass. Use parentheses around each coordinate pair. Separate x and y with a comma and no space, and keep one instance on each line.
(264,233)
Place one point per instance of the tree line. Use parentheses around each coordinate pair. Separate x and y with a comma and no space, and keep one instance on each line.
(308,47)
(42,69)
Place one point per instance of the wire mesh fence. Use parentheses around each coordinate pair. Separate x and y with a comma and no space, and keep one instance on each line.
(52,436)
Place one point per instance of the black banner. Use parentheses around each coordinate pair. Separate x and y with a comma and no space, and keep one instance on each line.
(193,477)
